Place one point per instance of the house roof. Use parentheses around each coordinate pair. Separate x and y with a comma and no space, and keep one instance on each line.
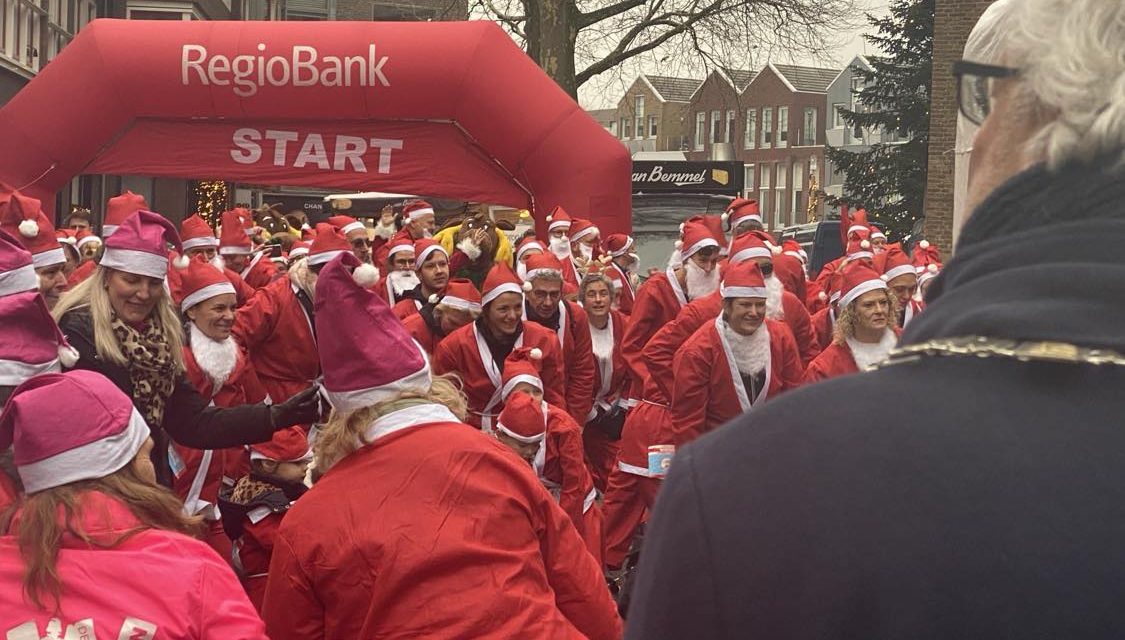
(672,89)
(740,77)
(806,79)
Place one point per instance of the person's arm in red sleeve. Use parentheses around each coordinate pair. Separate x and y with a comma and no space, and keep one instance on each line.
(445,357)
(224,611)
(575,475)
(255,321)
(242,291)
(819,369)
(580,374)
(690,391)
(800,323)
(291,608)
(792,369)
(554,379)
(661,350)
(642,325)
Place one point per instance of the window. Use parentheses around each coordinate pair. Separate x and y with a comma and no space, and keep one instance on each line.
(798,186)
(716,126)
(613,128)
(652,126)
(837,115)
(751,128)
(732,115)
(767,127)
(405,12)
(808,130)
(764,190)
(780,202)
(700,130)
(626,128)
(782,127)
(639,114)
(748,175)
(857,86)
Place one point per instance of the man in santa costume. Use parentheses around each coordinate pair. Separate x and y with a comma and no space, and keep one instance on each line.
(526,248)
(742,215)
(220,371)
(276,326)
(622,269)
(400,277)
(22,217)
(444,314)
(927,264)
(418,221)
(546,307)
(419,527)
(431,264)
(548,439)
(901,279)
(356,234)
(585,247)
(477,352)
(238,251)
(865,330)
(201,244)
(733,363)
(558,233)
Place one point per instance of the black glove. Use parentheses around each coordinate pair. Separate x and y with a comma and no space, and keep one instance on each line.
(302,408)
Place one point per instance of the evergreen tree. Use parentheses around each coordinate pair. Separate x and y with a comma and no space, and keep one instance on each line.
(889,180)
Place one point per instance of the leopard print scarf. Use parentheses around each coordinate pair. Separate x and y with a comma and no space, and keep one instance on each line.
(152,369)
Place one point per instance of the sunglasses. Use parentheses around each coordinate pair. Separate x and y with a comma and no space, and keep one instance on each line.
(361,243)
(974,84)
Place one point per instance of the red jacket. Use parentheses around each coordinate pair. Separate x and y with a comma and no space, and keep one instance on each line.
(626,294)
(578,359)
(154,584)
(561,465)
(80,273)
(278,335)
(465,353)
(658,302)
(260,272)
(418,329)
(432,531)
(708,390)
(406,308)
(833,362)
(823,327)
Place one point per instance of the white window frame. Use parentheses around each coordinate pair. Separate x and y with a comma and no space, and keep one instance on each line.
(749,173)
(700,130)
(798,188)
(639,117)
(809,128)
(716,124)
(767,127)
(782,127)
(626,128)
(732,122)
(837,118)
(749,136)
(653,127)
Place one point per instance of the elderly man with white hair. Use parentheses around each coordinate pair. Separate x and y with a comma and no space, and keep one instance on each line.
(970,487)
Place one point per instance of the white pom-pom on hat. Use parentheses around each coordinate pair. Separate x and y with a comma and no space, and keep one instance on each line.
(550,218)
(932,268)
(681,228)
(527,286)
(181,262)
(679,244)
(725,216)
(865,244)
(775,249)
(925,244)
(29,228)
(68,355)
(535,354)
(434,298)
(884,278)
(822,296)
(366,275)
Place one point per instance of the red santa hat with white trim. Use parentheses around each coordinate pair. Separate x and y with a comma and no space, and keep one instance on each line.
(233,240)
(894,263)
(751,245)
(859,278)
(543,264)
(201,281)
(417,210)
(618,244)
(346,224)
(23,217)
(558,218)
(927,260)
(859,247)
(582,228)
(529,243)
(84,237)
(329,243)
(119,208)
(741,210)
(366,354)
(399,245)
(66,427)
(140,246)
(461,294)
(425,248)
(299,249)
(196,233)
(523,419)
(696,236)
(793,249)
(290,444)
(523,364)
(743,280)
(500,280)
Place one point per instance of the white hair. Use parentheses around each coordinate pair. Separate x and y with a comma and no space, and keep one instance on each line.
(1071,56)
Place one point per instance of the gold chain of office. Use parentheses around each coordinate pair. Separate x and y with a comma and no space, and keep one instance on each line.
(983,347)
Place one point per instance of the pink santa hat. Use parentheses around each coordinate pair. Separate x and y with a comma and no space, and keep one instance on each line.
(139,246)
(17,268)
(366,354)
(523,419)
(67,427)
(119,208)
(23,217)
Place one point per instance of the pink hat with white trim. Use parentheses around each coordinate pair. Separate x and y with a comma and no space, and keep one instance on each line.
(425,248)
(30,341)
(859,278)
(201,281)
(119,208)
(196,233)
(17,270)
(367,356)
(743,280)
(23,217)
(66,427)
(417,210)
(523,419)
(140,246)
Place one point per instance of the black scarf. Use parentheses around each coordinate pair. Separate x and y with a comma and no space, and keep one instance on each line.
(499,346)
(427,313)
(551,323)
(1040,259)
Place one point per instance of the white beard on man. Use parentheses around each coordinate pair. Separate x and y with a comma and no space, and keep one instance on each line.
(560,247)
(218,263)
(403,281)
(700,283)
(385,230)
(775,291)
(217,358)
(752,352)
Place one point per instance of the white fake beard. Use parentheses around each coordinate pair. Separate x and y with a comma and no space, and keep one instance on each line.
(560,247)
(634,262)
(774,293)
(752,352)
(586,251)
(868,355)
(676,259)
(699,282)
(216,358)
(218,263)
(385,231)
(403,281)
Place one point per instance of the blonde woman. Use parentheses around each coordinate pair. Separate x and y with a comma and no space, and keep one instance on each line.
(122,322)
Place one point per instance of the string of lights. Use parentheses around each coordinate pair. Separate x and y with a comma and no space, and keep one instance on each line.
(211,200)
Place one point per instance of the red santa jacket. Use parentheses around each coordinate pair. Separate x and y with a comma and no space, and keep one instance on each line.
(260,272)
(833,362)
(708,390)
(421,332)
(612,370)
(465,353)
(823,326)
(561,466)
(625,292)
(275,330)
(153,584)
(451,536)
(658,302)
(406,308)
(578,359)
(80,273)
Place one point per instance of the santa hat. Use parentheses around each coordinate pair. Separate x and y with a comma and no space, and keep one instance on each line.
(794,249)
(66,427)
(399,245)
(201,281)
(528,244)
(876,232)
(425,248)
(558,218)
(328,243)
(696,236)
(543,264)
(67,236)
(581,228)
(618,244)
(523,419)
(894,263)
(30,341)
(287,445)
(366,354)
(346,224)
(17,268)
(740,210)
(195,233)
(522,365)
(500,280)
(743,280)
(858,223)
(750,245)
(417,210)
(139,246)
(927,261)
(859,247)
(233,240)
(119,208)
(84,237)
(858,279)
(460,293)
(23,218)
(299,248)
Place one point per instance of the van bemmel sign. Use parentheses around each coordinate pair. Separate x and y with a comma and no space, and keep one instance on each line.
(656,176)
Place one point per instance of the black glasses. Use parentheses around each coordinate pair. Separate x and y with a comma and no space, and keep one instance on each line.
(973,87)
(361,243)
(766,268)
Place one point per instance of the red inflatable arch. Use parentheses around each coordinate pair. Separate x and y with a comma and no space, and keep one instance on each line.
(449,109)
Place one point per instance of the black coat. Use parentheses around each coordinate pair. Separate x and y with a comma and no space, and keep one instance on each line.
(187,417)
(940,497)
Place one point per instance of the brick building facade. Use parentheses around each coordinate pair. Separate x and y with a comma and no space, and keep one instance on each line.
(717,108)
(953,22)
(653,113)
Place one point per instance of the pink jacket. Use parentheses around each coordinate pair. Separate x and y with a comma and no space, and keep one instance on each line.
(155,584)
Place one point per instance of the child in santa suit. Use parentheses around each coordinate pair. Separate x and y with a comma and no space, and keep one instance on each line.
(551,442)
(253,509)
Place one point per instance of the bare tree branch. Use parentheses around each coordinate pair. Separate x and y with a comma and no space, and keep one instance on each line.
(592,17)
